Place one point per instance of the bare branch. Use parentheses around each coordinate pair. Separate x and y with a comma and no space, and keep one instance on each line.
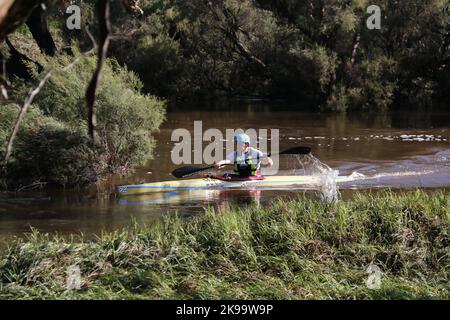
(22,113)
(94,43)
(3,80)
(105,29)
(231,29)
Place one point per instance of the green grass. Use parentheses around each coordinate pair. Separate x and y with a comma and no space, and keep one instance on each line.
(296,249)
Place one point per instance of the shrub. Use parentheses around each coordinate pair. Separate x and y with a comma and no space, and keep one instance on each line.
(126,118)
(8,115)
(57,154)
(304,73)
(47,150)
(372,87)
(53,146)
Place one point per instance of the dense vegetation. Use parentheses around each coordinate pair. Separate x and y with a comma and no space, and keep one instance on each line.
(52,145)
(317,53)
(299,249)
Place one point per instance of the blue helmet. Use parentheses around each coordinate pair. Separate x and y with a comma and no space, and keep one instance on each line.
(242,137)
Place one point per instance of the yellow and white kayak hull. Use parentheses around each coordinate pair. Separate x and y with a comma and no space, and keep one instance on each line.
(211,183)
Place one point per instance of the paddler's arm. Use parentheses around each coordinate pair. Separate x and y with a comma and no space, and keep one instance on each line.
(230,159)
(222,163)
(266,161)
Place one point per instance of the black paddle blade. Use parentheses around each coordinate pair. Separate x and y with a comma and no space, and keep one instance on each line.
(186,171)
(297,150)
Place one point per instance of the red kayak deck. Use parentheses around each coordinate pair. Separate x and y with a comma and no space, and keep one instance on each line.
(232,178)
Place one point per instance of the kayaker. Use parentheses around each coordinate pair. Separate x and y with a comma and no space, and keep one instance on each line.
(247,160)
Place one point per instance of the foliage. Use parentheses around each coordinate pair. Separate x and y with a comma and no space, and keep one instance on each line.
(317,52)
(54,153)
(57,150)
(126,118)
(47,150)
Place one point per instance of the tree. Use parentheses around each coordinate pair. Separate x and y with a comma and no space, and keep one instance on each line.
(12,14)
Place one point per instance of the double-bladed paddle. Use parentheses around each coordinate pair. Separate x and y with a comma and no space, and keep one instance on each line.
(189,170)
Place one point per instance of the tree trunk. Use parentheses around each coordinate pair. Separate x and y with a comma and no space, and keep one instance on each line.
(13,13)
(349,66)
(356,42)
(37,23)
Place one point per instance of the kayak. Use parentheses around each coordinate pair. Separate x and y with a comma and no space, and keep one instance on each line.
(219,182)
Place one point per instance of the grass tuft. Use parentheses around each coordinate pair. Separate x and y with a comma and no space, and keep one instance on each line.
(299,249)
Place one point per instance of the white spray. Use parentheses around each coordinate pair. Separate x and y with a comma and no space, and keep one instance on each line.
(325,176)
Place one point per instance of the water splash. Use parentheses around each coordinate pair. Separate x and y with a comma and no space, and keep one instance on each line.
(309,165)
(328,186)
(356,175)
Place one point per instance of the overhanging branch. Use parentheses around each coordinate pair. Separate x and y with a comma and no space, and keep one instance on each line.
(105,29)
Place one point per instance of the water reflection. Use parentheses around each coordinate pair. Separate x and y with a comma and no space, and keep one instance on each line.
(216,198)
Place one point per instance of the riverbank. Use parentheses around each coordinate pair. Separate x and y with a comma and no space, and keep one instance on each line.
(296,249)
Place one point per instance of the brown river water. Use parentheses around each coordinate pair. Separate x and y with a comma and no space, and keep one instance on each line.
(398,150)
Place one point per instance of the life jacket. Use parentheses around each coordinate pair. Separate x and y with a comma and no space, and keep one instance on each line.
(245,167)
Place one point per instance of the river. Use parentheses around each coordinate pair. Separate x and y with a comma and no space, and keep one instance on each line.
(398,150)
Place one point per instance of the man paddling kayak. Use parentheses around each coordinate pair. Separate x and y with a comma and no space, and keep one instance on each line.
(247,160)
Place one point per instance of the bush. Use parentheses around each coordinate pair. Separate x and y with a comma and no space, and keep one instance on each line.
(372,86)
(126,118)
(47,150)
(304,73)
(53,146)
(8,116)
(56,154)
